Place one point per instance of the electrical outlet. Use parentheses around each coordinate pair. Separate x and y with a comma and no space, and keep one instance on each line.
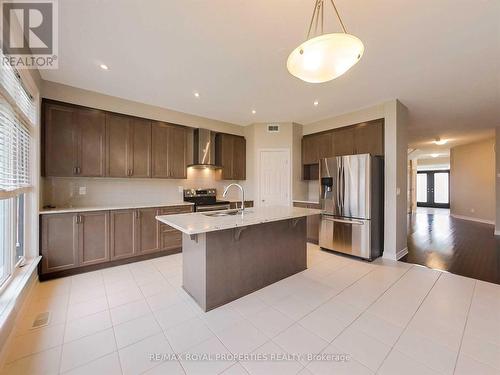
(82,190)
(180,189)
(398,191)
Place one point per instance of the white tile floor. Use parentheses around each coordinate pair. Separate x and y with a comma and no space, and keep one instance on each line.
(388,317)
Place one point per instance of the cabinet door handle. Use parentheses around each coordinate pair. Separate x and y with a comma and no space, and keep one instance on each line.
(77,170)
(74,170)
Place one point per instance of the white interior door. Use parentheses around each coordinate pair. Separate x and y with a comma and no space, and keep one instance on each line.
(274,178)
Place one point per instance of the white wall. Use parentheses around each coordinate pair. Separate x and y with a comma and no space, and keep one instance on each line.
(472,181)
(289,137)
(69,94)
(395,115)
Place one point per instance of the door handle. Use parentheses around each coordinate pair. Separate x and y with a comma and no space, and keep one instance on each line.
(345,221)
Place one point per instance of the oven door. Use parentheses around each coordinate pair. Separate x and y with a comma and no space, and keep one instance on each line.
(212,207)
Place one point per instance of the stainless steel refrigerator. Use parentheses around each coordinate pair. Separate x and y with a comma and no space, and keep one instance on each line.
(352,203)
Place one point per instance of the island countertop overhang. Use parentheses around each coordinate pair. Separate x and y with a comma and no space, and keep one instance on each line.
(198,222)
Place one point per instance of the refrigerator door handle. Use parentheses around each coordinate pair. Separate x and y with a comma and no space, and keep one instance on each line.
(345,221)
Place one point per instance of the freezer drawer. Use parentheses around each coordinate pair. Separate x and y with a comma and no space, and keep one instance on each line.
(349,236)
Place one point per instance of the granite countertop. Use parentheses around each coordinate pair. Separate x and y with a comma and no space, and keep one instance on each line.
(62,210)
(196,223)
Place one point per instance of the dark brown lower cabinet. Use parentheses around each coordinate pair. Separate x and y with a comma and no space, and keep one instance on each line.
(312,221)
(59,245)
(75,240)
(93,237)
(123,242)
(148,230)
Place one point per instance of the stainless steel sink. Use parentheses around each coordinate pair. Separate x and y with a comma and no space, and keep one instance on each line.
(226,213)
(222,213)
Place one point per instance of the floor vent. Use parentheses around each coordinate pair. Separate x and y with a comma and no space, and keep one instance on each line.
(41,320)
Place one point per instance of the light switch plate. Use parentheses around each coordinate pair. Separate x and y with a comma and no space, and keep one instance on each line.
(398,191)
(180,189)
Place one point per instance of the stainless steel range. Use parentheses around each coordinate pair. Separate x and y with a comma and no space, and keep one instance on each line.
(205,200)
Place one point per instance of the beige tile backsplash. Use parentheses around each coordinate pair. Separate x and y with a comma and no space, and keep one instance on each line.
(64,191)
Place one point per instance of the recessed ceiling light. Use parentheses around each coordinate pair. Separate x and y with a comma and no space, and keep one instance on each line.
(254,111)
(440,141)
(197,94)
(434,155)
(104,67)
(316,103)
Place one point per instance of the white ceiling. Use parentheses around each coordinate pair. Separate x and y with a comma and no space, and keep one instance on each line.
(439,57)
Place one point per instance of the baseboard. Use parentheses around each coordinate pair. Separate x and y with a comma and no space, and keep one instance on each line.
(401,253)
(484,221)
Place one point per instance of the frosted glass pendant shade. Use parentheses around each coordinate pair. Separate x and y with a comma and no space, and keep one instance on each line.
(325,57)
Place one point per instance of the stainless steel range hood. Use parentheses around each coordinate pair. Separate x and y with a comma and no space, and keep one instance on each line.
(204,149)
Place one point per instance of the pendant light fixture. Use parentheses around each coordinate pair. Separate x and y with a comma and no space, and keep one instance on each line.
(327,56)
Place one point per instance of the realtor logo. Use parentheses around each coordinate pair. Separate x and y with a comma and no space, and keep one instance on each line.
(29,34)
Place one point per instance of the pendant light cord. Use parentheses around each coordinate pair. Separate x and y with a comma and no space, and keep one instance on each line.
(338,16)
(319,13)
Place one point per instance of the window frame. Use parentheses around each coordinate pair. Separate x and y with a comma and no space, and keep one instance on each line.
(30,224)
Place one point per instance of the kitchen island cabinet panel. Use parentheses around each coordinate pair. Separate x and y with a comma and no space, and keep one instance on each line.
(312,221)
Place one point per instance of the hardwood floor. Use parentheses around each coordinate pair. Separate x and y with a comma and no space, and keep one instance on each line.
(462,247)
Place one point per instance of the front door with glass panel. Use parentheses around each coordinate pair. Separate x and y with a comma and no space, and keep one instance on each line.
(433,189)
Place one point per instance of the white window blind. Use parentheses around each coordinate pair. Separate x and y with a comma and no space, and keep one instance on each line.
(13,89)
(14,152)
(17,118)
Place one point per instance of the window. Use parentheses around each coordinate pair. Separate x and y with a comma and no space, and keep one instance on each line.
(17,119)
(19,254)
(4,240)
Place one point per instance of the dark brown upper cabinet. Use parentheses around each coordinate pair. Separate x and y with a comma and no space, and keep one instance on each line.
(74,141)
(80,141)
(169,143)
(343,142)
(230,154)
(369,138)
(128,141)
(315,147)
(363,138)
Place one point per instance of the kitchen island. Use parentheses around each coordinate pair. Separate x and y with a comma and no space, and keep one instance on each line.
(227,254)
